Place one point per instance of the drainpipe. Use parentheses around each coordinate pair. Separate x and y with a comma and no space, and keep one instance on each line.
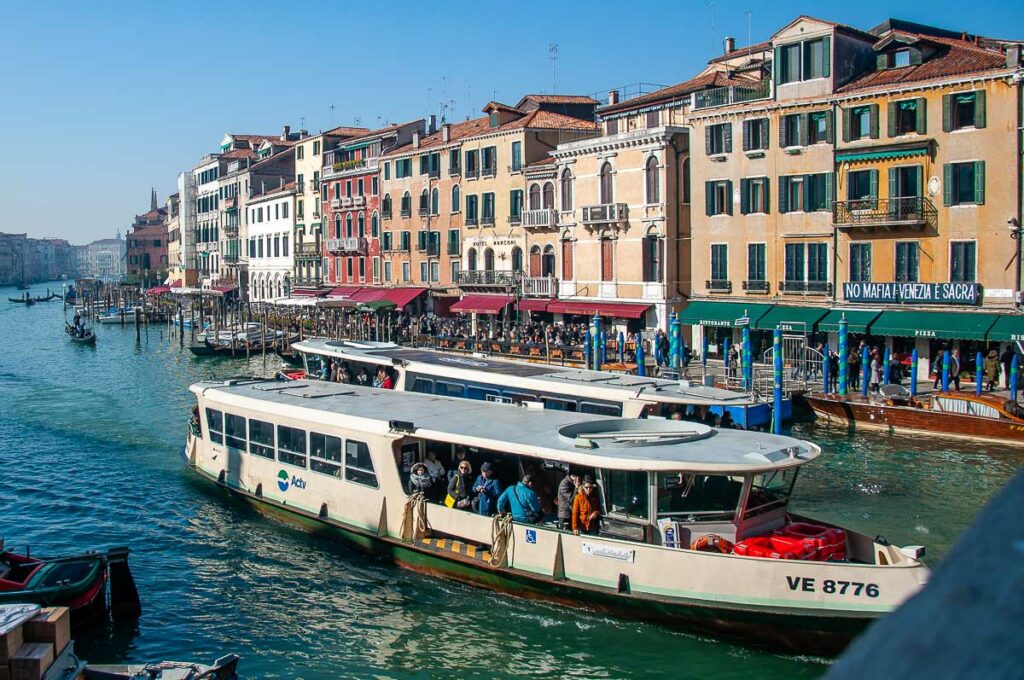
(678,209)
(1019,78)
(836,132)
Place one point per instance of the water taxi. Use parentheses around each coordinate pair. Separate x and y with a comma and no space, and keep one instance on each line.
(958,414)
(696,529)
(556,387)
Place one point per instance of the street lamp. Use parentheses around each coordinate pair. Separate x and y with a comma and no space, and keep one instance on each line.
(1015,234)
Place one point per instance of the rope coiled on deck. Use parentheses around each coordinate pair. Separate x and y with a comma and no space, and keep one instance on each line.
(501,535)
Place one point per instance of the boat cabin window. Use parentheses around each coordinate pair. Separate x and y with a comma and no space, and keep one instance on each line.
(291,446)
(600,409)
(325,454)
(1014,409)
(234,431)
(215,425)
(423,385)
(696,497)
(626,493)
(448,389)
(559,404)
(359,464)
(770,491)
(481,393)
(261,439)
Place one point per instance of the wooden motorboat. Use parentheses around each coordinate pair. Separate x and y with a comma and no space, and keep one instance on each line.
(79,582)
(956,414)
(224,668)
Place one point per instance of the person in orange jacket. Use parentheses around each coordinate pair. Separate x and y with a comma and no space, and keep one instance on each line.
(586,508)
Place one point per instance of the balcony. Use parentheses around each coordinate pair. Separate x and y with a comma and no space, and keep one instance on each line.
(335,204)
(911,211)
(734,94)
(351,246)
(487,220)
(471,221)
(310,282)
(489,171)
(540,286)
(805,287)
(515,219)
(515,167)
(386,214)
(231,231)
(230,259)
(423,211)
(434,173)
(762,287)
(471,173)
(718,286)
(487,279)
(540,219)
(359,165)
(613,214)
(454,170)
(307,250)
(406,212)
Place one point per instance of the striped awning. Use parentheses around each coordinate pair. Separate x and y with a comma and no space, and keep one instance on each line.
(880,154)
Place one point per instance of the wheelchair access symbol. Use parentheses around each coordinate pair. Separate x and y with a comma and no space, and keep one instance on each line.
(531,535)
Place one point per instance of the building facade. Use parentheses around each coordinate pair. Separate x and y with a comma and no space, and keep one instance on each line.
(146,242)
(271,225)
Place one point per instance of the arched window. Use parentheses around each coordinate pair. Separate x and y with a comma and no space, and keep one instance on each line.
(607,194)
(651,180)
(424,198)
(435,201)
(374,225)
(348,225)
(471,259)
(489,260)
(362,225)
(547,265)
(535,261)
(337,226)
(549,195)
(566,190)
(455,198)
(406,204)
(517,259)
(385,205)
(535,197)
(653,258)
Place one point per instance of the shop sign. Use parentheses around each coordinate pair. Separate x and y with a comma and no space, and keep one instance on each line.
(723,323)
(913,293)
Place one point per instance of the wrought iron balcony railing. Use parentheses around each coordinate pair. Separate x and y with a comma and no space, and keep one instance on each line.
(805,287)
(718,285)
(488,277)
(756,286)
(609,213)
(917,211)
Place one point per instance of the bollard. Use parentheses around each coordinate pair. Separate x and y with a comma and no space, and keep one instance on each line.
(913,373)
(886,361)
(979,373)
(825,370)
(844,351)
(748,360)
(945,371)
(865,371)
(777,382)
(641,367)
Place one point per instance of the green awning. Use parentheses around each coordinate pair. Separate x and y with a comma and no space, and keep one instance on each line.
(356,147)
(790,318)
(375,306)
(857,320)
(880,154)
(722,314)
(943,325)
(1007,328)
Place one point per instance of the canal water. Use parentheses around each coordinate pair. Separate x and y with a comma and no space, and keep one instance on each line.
(90,442)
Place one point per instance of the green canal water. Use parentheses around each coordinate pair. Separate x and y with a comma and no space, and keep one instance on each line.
(90,442)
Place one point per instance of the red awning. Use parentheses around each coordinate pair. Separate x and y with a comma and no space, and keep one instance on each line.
(534,305)
(344,291)
(369,295)
(159,290)
(611,309)
(176,284)
(481,304)
(223,289)
(306,292)
(402,296)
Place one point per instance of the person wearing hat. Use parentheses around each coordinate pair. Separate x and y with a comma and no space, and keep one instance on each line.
(992,369)
(487,489)
(566,492)
(586,508)
(420,480)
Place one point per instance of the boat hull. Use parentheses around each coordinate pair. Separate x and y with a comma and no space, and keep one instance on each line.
(780,629)
(854,411)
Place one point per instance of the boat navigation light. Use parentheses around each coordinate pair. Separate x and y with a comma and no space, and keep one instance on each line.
(402,426)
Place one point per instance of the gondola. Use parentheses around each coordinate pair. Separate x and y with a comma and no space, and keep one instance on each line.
(23,300)
(89,338)
(78,582)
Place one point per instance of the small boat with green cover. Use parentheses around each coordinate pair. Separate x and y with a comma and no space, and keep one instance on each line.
(78,582)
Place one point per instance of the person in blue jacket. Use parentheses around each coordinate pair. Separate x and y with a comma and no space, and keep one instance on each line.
(522,501)
(487,489)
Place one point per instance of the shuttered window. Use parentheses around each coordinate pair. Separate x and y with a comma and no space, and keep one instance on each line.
(719,262)
(963,183)
(962,261)
(860,262)
(906,262)
(963,110)
(756,262)
(607,260)
(567,273)
(718,139)
(718,197)
(755,134)
(754,195)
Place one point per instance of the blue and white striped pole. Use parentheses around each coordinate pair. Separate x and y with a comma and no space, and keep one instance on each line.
(913,373)
(622,348)
(604,349)
(865,372)
(886,362)
(844,355)
(777,382)
(675,334)
(704,351)
(586,349)
(748,363)
(945,371)
(725,355)
(979,373)
(1014,372)
(641,368)
(595,338)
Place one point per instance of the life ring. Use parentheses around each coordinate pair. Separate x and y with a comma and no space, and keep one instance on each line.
(712,543)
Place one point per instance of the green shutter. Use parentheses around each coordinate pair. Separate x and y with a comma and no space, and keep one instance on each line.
(947,184)
(829,132)
(727,137)
(805,126)
(783,142)
(777,65)
(979,182)
(707,139)
(892,119)
(947,112)
(807,192)
(922,115)
(783,195)
(892,183)
(847,124)
(744,196)
(830,187)
(881,62)
(979,108)
(765,185)
(764,133)
(746,134)
(873,120)
(873,181)
(826,56)
(709,198)
(728,196)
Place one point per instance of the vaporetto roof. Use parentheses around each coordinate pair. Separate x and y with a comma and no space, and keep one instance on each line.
(572,438)
(541,377)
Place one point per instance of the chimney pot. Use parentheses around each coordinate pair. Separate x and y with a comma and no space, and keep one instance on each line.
(613,97)
(432,124)
(446,132)
(416,139)
(285,132)
(730,45)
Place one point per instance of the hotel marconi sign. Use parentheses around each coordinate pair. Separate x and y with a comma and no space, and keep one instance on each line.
(913,293)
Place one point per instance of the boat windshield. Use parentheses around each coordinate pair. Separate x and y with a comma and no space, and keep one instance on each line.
(1014,409)
(693,497)
(770,491)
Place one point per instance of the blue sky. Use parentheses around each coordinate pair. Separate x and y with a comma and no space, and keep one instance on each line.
(101,101)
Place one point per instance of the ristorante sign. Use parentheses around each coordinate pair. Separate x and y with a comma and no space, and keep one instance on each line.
(913,293)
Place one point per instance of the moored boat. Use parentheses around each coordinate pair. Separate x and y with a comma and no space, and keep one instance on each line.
(956,414)
(338,457)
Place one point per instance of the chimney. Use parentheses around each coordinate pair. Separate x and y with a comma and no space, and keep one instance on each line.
(285,132)
(416,139)
(730,45)
(431,124)
(303,134)
(263,187)
(446,132)
(613,97)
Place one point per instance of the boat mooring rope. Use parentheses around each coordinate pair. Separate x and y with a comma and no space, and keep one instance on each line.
(415,511)
(501,534)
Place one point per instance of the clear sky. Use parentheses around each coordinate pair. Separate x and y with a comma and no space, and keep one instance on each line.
(99,101)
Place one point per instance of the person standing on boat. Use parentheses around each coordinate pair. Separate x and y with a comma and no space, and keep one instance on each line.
(833,371)
(522,501)
(853,372)
(459,487)
(566,492)
(992,369)
(876,370)
(487,489)
(954,369)
(420,480)
(586,509)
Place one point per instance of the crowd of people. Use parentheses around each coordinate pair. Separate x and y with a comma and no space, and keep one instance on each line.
(574,503)
(335,370)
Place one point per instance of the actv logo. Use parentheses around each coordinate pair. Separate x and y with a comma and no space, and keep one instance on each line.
(283,481)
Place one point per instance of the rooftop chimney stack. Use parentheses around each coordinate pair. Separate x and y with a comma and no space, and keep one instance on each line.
(431,124)
(730,45)
(446,132)
(613,97)
(416,139)
(285,132)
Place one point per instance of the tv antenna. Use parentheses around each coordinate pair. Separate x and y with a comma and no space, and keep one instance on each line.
(750,40)
(711,11)
(553,55)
